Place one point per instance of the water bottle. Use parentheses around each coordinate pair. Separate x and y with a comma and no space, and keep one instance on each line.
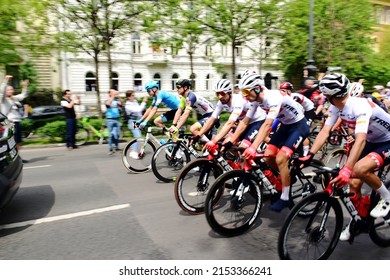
(162,141)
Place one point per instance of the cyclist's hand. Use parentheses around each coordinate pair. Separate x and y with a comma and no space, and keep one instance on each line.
(344,175)
(226,146)
(249,153)
(211,145)
(305,161)
(143,124)
(173,130)
(194,139)
(137,123)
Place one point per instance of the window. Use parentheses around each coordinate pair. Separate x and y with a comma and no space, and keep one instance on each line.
(267,48)
(209,50)
(175,77)
(387,17)
(115,80)
(208,82)
(238,78)
(224,50)
(138,82)
(90,81)
(157,78)
(136,43)
(238,49)
(193,81)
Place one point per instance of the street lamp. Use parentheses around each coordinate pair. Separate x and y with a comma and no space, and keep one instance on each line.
(310,62)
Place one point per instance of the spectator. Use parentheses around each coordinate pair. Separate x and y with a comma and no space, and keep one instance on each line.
(12,107)
(114,106)
(133,112)
(70,115)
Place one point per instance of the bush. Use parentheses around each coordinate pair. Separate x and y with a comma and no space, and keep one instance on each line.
(56,129)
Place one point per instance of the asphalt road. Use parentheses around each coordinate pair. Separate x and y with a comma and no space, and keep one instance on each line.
(83,204)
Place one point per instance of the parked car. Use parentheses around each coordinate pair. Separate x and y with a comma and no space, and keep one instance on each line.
(11,165)
(42,112)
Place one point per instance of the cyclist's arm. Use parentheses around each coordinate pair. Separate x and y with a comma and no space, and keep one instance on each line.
(243,124)
(321,138)
(357,148)
(146,113)
(183,118)
(152,112)
(263,133)
(177,116)
(207,126)
(224,130)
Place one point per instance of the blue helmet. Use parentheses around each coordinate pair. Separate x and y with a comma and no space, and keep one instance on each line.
(151,84)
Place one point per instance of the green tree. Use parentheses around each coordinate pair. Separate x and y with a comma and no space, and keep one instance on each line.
(24,30)
(231,22)
(173,24)
(79,31)
(342,36)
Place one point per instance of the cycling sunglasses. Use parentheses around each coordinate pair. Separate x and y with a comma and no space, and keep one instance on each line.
(221,93)
(177,86)
(246,92)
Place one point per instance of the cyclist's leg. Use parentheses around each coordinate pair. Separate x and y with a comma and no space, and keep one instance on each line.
(287,138)
(365,168)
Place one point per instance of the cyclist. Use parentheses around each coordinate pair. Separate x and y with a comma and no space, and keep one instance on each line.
(306,103)
(372,144)
(238,107)
(190,101)
(159,97)
(290,134)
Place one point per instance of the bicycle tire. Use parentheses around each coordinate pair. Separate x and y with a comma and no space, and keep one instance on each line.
(228,213)
(300,238)
(143,163)
(380,231)
(315,183)
(166,167)
(194,182)
(337,158)
(82,136)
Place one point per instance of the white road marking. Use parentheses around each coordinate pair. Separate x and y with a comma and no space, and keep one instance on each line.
(38,166)
(64,217)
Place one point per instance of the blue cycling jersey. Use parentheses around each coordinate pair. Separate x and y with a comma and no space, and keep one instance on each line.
(167,99)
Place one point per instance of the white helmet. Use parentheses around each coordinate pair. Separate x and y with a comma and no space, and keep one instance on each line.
(388,84)
(223,85)
(250,81)
(335,85)
(378,87)
(355,89)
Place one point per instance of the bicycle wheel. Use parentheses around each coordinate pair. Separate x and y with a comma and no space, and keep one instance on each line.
(239,204)
(380,232)
(337,158)
(193,183)
(137,155)
(82,136)
(168,160)
(313,237)
(307,183)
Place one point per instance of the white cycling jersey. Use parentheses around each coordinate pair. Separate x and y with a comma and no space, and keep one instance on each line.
(239,109)
(305,102)
(284,108)
(363,116)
